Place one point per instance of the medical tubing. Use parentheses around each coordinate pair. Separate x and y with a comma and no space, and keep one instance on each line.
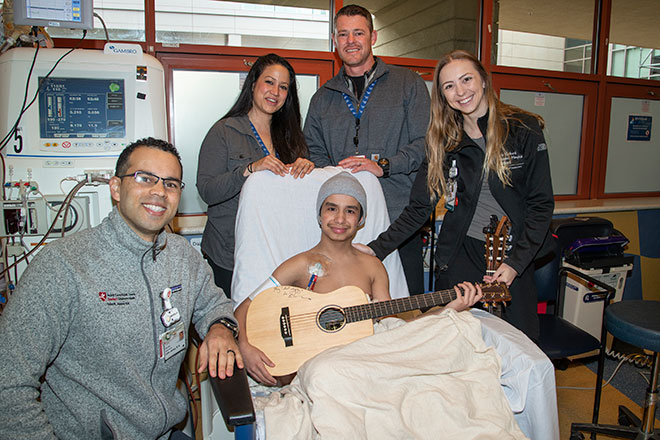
(4,141)
(105,29)
(616,370)
(66,202)
(192,408)
(20,113)
(639,359)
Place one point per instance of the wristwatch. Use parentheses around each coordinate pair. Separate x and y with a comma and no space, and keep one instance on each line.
(230,324)
(384,165)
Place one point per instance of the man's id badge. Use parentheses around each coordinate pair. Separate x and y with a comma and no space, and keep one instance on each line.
(172,341)
(170,314)
(452,187)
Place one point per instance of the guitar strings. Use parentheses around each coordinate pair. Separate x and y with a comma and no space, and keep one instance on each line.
(374,307)
(364,311)
(309,319)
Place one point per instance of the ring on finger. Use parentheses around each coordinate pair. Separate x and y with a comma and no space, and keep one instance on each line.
(231,351)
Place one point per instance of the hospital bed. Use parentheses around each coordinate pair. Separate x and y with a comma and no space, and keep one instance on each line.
(277,219)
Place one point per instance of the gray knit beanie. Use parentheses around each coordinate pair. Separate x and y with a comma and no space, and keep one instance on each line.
(342,183)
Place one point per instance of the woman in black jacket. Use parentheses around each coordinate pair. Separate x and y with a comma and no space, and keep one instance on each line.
(485,158)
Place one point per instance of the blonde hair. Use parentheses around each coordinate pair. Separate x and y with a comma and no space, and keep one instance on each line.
(445,130)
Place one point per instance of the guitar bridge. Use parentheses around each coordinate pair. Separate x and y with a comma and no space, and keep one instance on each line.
(285,327)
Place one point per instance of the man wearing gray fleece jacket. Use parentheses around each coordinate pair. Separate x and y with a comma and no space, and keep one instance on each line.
(104,317)
(372,117)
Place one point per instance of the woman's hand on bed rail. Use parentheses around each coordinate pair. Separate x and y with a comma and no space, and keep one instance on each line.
(301,167)
(272,164)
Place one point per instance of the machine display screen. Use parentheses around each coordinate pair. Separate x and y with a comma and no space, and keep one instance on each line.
(60,10)
(82,108)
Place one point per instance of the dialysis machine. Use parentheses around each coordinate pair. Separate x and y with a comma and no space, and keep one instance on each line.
(88,105)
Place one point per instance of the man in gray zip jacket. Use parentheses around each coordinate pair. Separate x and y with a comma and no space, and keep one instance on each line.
(372,117)
(104,316)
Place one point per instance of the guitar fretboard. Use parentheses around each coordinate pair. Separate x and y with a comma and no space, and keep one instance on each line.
(394,306)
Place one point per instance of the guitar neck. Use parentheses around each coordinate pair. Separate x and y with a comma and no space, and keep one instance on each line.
(394,306)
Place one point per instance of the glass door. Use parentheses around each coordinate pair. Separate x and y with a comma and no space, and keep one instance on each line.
(202,89)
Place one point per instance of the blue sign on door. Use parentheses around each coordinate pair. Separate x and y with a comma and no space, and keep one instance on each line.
(639,128)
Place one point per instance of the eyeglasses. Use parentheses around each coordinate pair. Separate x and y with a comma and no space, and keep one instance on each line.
(146,178)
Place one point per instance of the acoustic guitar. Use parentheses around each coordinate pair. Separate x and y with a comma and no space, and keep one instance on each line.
(291,325)
(498,243)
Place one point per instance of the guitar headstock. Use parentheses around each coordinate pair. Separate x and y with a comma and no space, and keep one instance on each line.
(494,293)
(497,241)
(492,225)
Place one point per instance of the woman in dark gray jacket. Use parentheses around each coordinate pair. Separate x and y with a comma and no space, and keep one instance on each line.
(485,158)
(262,131)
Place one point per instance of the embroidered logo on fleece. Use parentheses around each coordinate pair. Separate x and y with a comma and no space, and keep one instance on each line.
(541,147)
(513,160)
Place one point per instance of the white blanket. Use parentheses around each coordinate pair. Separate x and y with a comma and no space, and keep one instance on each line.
(433,378)
(285,208)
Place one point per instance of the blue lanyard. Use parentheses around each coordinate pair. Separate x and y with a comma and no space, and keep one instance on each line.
(261,143)
(363,103)
(358,113)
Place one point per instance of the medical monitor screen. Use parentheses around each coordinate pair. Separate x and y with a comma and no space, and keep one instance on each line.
(82,108)
(73,14)
(60,10)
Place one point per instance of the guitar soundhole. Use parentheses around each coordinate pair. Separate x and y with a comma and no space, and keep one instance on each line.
(331,319)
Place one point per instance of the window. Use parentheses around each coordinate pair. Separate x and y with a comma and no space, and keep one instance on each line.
(633,145)
(248,24)
(541,35)
(415,29)
(577,56)
(634,49)
(203,88)
(569,132)
(124,20)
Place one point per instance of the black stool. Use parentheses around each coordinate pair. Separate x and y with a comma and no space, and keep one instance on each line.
(637,323)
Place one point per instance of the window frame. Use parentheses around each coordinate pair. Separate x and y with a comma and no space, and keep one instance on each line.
(591,174)
(588,89)
(619,89)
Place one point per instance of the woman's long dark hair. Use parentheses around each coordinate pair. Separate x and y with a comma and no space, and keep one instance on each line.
(285,127)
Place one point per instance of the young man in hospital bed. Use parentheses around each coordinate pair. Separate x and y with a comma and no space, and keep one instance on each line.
(390,385)
(332,264)
(276,221)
